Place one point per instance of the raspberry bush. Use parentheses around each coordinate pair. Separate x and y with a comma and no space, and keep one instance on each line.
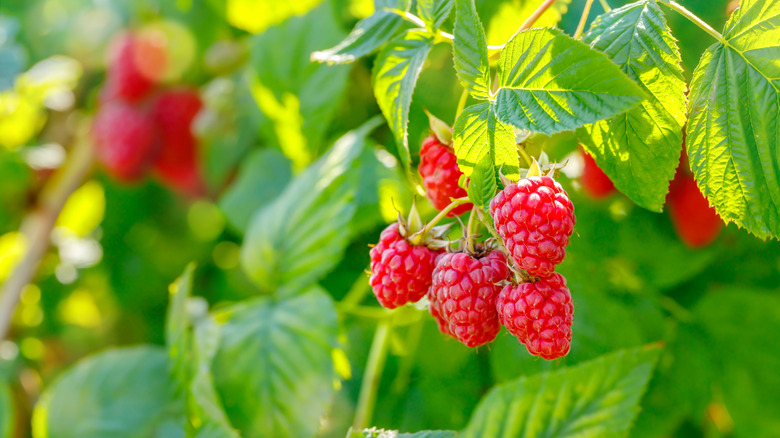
(390,218)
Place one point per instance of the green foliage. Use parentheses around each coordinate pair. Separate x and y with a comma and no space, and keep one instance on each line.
(733,123)
(482,184)
(434,12)
(7,411)
(550,82)
(300,236)
(479,134)
(640,149)
(598,398)
(469,51)
(261,180)
(121,393)
(12,55)
(177,334)
(394,77)
(368,35)
(273,368)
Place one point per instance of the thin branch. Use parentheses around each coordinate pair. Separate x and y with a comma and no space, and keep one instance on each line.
(37,228)
(373,375)
(605,5)
(692,18)
(525,26)
(583,19)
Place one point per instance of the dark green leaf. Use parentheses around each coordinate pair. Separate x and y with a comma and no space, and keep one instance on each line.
(368,35)
(744,330)
(262,178)
(394,77)
(298,97)
(117,393)
(299,237)
(482,183)
(734,128)
(274,369)
(469,50)
(550,82)
(478,134)
(434,12)
(595,399)
(640,150)
(7,411)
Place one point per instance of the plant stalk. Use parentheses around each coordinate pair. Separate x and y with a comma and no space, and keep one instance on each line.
(371,379)
(525,26)
(583,19)
(457,202)
(671,4)
(471,230)
(605,5)
(38,225)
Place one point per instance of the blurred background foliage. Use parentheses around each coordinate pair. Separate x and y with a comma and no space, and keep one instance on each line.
(268,114)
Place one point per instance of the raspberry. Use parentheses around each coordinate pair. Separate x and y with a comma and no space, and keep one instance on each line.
(440,173)
(124,139)
(540,315)
(534,219)
(463,295)
(595,182)
(400,272)
(177,160)
(696,223)
(135,65)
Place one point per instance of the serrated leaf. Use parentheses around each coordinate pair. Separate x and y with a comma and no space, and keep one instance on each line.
(734,128)
(469,51)
(477,134)
(7,411)
(743,328)
(302,234)
(177,335)
(434,12)
(118,393)
(273,368)
(394,77)
(261,179)
(482,183)
(595,399)
(368,35)
(550,82)
(640,150)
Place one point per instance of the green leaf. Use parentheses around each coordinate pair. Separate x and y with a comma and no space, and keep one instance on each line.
(368,35)
(478,134)
(733,127)
(595,399)
(298,97)
(118,393)
(744,337)
(273,368)
(301,235)
(261,179)
(394,77)
(640,150)
(469,51)
(434,12)
(550,82)
(7,411)
(177,334)
(482,183)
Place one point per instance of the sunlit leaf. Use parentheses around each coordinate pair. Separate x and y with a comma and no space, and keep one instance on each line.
(734,128)
(434,12)
(550,82)
(469,50)
(478,134)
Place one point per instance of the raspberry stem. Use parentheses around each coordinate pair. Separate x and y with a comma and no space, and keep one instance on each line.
(457,202)
(377,357)
(583,19)
(471,230)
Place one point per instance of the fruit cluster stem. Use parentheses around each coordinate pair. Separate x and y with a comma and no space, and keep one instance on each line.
(37,227)
(377,357)
(457,202)
(471,230)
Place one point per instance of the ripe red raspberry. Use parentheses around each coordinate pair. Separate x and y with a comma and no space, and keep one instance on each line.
(136,63)
(595,182)
(400,272)
(697,224)
(464,295)
(534,219)
(540,314)
(440,174)
(124,139)
(177,161)
(435,309)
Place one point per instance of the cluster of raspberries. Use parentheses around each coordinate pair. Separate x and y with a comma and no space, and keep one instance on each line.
(140,128)
(472,294)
